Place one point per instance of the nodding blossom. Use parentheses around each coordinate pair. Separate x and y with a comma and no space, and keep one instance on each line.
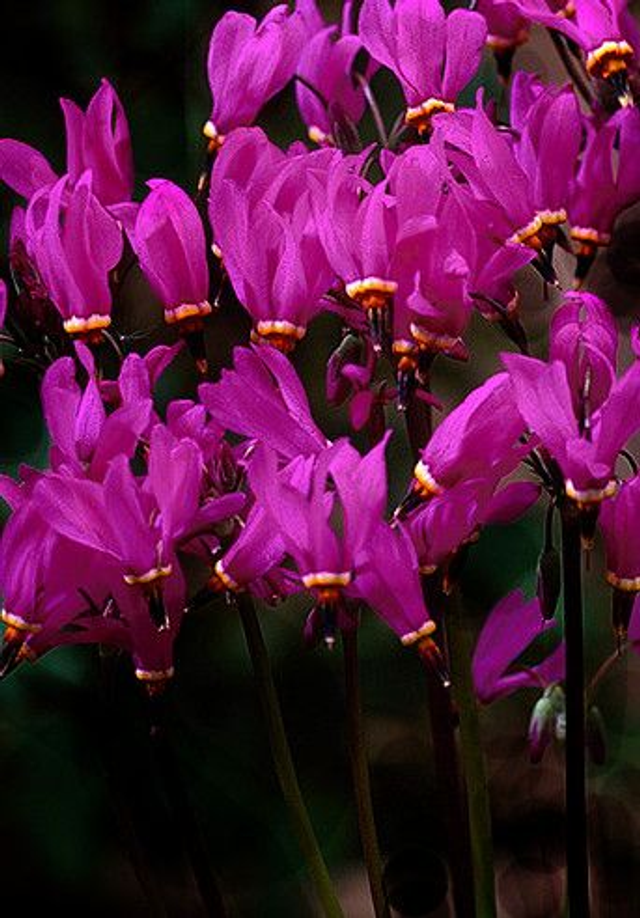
(432,54)
(248,63)
(329,97)
(170,244)
(75,244)
(97,140)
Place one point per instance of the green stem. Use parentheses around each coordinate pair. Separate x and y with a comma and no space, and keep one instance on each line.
(360,772)
(283,761)
(577,838)
(473,759)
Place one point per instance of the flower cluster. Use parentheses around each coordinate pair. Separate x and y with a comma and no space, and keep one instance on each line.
(403,238)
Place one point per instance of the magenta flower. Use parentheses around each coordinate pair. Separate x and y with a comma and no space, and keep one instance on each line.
(478,439)
(507,28)
(548,133)
(526,180)
(170,243)
(46,583)
(348,378)
(607,181)
(337,102)
(138,528)
(584,337)
(97,139)
(253,561)
(510,629)
(248,63)
(596,26)
(584,445)
(272,251)
(76,243)
(263,398)
(453,519)
(617,520)
(84,438)
(388,579)
(433,55)
(302,505)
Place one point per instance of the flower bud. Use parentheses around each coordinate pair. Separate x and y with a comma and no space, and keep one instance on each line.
(547,721)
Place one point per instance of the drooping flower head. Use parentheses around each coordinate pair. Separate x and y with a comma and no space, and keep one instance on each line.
(98,140)
(137,526)
(170,243)
(433,55)
(584,441)
(598,27)
(248,63)
(270,244)
(607,181)
(76,243)
(330,100)
(479,438)
(511,629)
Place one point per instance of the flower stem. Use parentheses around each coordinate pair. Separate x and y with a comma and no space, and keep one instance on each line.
(360,772)
(283,760)
(442,722)
(187,822)
(473,761)
(577,851)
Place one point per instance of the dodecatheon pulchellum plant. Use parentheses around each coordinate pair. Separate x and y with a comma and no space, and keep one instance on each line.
(434,56)
(248,63)
(84,438)
(330,98)
(272,251)
(31,319)
(599,27)
(607,181)
(138,527)
(170,243)
(97,139)
(76,244)
(3,302)
(478,439)
(584,444)
(263,399)
(138,375)
(499,668)
(617,520)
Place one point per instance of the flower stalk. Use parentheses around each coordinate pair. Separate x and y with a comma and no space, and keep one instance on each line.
(577,840)
(360,772)
(473,760)
(283,760)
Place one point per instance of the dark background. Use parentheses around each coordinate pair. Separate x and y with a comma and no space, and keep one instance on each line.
(74,766)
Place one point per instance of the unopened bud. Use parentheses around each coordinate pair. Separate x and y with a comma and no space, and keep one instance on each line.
(548,721)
